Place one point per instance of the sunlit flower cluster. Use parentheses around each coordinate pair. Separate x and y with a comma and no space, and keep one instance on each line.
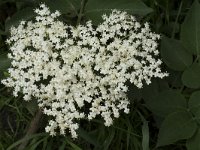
(81,72)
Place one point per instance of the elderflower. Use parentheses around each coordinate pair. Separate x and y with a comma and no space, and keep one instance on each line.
(81,72)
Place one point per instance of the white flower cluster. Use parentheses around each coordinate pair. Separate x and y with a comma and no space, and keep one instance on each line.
(81,72)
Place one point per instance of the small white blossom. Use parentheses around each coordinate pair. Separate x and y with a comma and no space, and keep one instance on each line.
(81,72)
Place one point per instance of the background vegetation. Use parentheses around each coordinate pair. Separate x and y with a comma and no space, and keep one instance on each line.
(163,116)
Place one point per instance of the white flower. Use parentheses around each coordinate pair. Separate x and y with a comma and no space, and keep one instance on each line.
(81,72)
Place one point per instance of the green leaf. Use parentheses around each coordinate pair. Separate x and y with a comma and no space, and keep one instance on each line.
(2,33)
(96,8)
(65,6)
(64,143)
(74,146)
(4,62)
(194,104)
(174,54)
(89,138)
(145,136)
(167,102)
(190,31)
(31,106)
(145,133)
(193,143)
(14,145)
(108,139)
(191,76)
(36,144)
(176,126)
(24,14)
(149,92)
(174,78)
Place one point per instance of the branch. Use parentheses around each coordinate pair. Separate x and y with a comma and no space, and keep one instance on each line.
(32,129)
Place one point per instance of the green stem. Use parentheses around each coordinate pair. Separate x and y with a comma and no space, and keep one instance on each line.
(179,11)
(81,12)
(197,58)
(32,129)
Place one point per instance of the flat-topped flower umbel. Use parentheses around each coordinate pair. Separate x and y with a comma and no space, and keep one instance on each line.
(81,72)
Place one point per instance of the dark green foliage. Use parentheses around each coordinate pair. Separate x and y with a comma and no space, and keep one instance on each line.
(167,102)
(193,143)
(165,115)
(194,104)
(190,31)
(174,54)
(191,76)
(176,126)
